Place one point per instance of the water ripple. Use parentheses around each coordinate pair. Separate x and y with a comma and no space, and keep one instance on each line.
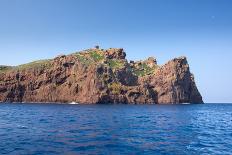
(115,129)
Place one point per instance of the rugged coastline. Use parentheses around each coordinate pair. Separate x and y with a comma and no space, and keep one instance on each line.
(99,76)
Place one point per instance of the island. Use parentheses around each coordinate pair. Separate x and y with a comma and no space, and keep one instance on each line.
(99,76)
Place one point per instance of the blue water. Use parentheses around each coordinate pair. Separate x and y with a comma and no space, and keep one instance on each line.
(115,129)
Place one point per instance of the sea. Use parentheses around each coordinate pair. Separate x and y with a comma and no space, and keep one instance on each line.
(57,129)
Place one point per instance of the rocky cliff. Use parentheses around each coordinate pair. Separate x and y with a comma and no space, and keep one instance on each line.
(99,76)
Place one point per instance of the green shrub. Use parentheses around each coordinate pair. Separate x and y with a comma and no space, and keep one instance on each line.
(115,64)
(96,56)
(115,87)
(90,57)
(143,70)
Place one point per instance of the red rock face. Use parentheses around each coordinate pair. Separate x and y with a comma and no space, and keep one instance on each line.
(100,76)
(174,83)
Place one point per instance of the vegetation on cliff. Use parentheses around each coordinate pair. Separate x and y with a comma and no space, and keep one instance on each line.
(143,69)
(35,64)
(4,68)
(32,65)
(90,57)
(115,87)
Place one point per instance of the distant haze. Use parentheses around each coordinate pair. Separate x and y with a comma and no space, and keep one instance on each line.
(201,30)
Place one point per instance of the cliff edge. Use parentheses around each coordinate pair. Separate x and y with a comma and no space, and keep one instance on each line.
(96,76)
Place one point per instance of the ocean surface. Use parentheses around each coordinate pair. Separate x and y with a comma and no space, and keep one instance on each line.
(115,129)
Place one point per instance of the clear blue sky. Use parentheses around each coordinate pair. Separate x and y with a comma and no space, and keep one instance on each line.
(199,29)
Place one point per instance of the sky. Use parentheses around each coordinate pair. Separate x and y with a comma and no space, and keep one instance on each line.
(199,29)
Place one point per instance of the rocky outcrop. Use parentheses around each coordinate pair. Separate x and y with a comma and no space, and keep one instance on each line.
(178,86)
(98,76)
(114,53)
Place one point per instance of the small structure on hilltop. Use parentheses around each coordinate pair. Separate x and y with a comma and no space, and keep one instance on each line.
(97,46)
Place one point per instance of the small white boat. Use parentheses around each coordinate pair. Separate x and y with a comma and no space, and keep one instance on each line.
(73,103)
(185,103)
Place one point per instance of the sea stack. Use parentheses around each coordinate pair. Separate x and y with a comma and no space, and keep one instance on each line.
(98,76)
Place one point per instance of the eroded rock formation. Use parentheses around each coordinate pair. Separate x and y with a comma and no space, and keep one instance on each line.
(99,76)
